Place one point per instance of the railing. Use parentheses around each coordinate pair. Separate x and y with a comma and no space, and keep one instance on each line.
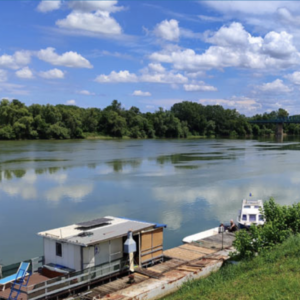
(75,279)
(35,263)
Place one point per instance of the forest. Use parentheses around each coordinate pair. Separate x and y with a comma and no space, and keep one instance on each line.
(185,119)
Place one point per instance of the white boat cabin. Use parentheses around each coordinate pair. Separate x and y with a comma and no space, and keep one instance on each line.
(93,243)
(251,213)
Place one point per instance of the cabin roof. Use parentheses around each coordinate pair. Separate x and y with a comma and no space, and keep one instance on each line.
(112,228)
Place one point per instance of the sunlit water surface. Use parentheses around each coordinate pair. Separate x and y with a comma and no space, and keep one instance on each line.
(191,185)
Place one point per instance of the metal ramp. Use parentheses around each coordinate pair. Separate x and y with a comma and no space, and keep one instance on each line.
(17,285)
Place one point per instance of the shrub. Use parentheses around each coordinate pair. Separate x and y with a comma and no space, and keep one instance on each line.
(281,222)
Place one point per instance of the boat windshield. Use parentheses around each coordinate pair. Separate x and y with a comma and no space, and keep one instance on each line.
(247,206)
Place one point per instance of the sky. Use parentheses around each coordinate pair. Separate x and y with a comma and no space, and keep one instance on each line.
(151,54)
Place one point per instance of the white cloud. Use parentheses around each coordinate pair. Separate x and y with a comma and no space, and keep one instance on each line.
(156,67)
(286,17)
(121,76)
(92,16)
(277,86)
(86,6)
(234,34)
(168,30)
(148,75)
(46,6)
(14,89)
(165,103)
(210,18)
(68,59)
(294,77)
(168,77)
(85,92)
(53,74)
(60,178)
(25,73)
(3,75)
(251,7)
(201,86)
(71,102)
(141,93)
(234,47)
(263,15)
(22,189)
(75,193)
(15,61)
(279,45)
(242,104)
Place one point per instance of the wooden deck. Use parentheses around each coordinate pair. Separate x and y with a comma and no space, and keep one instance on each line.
(34,279)
(113,286)
(206,255)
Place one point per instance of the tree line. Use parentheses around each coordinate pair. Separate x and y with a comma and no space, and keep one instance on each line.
(18,121)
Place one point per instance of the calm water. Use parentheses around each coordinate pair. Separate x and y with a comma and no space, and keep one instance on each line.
(191,185)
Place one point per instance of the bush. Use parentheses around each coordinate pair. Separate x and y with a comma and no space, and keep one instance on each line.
(281,222)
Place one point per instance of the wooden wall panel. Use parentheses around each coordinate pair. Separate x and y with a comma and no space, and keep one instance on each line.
(146,243)
(151,244)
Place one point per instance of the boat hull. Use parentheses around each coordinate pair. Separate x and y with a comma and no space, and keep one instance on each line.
(242,226)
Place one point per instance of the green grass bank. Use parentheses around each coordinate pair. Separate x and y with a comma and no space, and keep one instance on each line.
(274,274)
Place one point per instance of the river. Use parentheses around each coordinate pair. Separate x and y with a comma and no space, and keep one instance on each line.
(191,185)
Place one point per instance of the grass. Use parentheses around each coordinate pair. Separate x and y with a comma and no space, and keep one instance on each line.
(272,275)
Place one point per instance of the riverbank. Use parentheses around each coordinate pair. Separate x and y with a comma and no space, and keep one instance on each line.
(272,275)
(96,136)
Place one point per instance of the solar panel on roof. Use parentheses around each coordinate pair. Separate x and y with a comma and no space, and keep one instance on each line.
(94,223)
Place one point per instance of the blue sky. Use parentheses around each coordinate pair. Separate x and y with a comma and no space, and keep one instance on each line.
(150,54)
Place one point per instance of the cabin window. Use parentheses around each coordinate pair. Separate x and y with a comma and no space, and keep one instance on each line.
(252,218)
(247,206)
(261,217)
(244,217)
(58,249)
(256,206)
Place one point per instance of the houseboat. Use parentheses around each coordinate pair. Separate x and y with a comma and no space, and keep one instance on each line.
(82,254)
(251,213)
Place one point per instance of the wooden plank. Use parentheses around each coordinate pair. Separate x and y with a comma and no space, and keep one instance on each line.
(183,254)
(147,272)
(146,241)
(189,268)
(197,248)
(157,238)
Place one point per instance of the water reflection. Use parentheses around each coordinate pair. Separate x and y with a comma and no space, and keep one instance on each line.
(119,165)
(191,185)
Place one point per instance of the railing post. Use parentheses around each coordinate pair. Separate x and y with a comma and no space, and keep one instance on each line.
(46,290)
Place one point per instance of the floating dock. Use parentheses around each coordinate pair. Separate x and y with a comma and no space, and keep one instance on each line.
(181,264)
(203,254)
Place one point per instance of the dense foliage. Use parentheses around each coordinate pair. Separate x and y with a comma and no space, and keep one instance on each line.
(274,274)
(18,121)
(281,222)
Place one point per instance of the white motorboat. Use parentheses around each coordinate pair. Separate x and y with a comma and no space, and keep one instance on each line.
(251,213)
